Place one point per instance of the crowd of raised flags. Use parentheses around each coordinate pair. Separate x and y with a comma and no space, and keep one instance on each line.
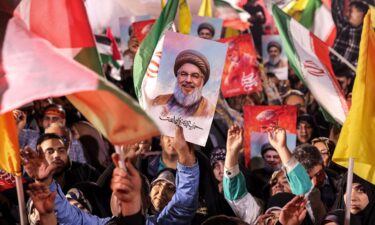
(48,50)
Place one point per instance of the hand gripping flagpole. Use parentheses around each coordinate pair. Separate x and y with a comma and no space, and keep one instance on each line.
(120,150)
(349,184)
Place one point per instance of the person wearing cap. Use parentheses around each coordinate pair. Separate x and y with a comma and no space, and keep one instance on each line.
(275,60)
(53,113)
(162,189)
(192,70)
(206,31)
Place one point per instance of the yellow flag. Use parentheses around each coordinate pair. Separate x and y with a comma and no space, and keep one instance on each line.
(9,149)
(358,133)
(185,17)
(295,8)
(162,4)
(205,9)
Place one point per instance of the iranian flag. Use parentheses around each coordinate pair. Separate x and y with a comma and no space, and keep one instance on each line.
(34,65)
(147,59)
(315,16)
(309,57)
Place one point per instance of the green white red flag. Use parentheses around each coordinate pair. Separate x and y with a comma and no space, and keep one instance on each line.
(147,59)
(309,57)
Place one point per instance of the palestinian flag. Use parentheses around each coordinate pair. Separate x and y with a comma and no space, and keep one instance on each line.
(309,57)
(147,59)
(233,15)
(45,72)
(104,45)
(315,16)
(65,25)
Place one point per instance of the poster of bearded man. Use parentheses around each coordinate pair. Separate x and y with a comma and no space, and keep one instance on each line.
(188,85)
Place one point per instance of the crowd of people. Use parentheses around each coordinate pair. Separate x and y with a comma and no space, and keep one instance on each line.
(72,174)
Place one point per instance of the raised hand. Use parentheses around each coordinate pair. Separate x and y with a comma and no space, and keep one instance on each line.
(294,212)
(234,139)
(234,145)
(36,165)
(43,199)
(20,118)
(126,186)
(277,138)
(186,155)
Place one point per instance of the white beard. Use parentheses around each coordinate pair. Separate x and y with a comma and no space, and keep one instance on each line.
(187,104)
(187,100)
(274,61)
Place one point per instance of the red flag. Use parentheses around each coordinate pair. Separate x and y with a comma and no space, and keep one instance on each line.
(142,28)
(115,52)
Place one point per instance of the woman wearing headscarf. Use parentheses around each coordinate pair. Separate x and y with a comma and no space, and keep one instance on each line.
(362,211)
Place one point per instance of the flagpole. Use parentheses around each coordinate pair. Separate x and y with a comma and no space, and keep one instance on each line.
(331,50)
(21,200)
(119,150)
(349,184)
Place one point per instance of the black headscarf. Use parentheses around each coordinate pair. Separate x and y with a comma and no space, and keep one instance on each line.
(367,215)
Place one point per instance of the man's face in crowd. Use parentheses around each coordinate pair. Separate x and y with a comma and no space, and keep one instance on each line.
(54,128)
(273,52)
(205,34)
(304,132)
(219,170)
(317,175)
(133,44)
(166,143)
(324,152)
(55,153)
(161,193)
(355,16)
(49,118)
(297,101)
(272,158)
(359,198)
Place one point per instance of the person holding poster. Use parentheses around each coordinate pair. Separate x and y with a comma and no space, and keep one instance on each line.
(192,71)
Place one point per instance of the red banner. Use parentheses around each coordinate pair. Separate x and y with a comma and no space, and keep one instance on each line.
(142,28)
(241,73)
(7,180)
(259,119)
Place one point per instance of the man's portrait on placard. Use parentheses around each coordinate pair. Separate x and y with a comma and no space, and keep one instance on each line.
(188,84)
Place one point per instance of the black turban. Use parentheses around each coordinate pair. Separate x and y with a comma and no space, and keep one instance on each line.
(195,58)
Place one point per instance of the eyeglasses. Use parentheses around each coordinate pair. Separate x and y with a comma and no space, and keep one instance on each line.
(184,75)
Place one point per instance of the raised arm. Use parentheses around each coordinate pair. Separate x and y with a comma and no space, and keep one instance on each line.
(184,203)
(298,178)
(243,204)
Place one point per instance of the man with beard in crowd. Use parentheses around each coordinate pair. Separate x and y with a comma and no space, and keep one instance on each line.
(192,71)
